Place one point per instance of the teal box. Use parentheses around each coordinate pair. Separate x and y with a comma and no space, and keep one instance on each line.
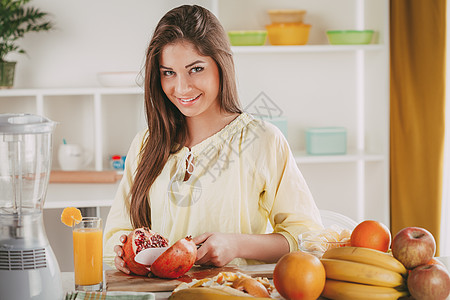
(326,140)
(280,122)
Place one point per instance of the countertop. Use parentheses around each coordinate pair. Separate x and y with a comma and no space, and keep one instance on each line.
(68,283)
(68,279)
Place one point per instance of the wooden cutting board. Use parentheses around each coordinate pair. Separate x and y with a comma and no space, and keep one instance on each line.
(118,281)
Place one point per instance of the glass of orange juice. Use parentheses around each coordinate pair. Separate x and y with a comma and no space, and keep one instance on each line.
(88,254)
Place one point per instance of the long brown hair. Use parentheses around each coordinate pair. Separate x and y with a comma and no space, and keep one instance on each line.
(167,130)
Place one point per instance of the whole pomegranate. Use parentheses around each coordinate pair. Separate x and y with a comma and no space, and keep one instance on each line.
(138,240)
(176,260)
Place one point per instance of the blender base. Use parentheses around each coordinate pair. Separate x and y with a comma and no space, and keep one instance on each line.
(40,283)
(28,266)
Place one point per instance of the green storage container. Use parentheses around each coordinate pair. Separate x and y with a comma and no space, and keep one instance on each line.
(326,140)
(247,37)
(350,37)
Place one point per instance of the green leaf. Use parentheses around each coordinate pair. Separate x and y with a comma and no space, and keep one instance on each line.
(17,18)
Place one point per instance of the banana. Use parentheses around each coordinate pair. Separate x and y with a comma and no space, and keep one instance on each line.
(341,290)
(361,273)
(367,256)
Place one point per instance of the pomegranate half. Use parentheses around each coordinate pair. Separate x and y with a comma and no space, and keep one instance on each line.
(138,240)
(176,260)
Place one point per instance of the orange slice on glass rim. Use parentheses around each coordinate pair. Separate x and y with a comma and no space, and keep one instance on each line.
(71,216)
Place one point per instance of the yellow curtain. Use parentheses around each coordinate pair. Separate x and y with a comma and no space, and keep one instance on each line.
(417,55)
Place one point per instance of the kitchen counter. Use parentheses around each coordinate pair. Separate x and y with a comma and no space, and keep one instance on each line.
(68,279)
(68,283)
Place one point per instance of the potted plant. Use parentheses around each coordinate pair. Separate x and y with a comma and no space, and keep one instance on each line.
(16,19)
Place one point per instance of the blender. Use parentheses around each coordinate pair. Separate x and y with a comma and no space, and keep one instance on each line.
(28,266)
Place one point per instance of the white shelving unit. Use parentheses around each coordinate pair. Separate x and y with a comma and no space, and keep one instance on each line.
(362,175)
(303,49)
(60,195)
(98,97)
(303,158)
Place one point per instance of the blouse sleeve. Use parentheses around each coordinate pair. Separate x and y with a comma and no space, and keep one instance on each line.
(292,209)
(118,220)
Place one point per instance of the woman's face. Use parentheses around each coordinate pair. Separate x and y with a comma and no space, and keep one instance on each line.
(190,81)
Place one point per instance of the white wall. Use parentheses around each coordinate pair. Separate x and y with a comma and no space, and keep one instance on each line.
(90,36)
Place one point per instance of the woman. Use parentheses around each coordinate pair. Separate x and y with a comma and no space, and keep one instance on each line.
(203,167)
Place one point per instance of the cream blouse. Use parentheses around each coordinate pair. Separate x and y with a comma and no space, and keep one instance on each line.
(241,177)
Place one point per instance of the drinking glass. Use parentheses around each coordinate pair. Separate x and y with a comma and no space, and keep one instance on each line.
(88,254)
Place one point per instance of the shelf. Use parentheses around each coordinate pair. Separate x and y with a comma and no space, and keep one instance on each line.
(96,94)
(303,158)
(60,195)
(85,176)
(72,91)
(305,48)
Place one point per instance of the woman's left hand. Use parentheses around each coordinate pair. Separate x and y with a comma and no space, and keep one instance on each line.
(218,249)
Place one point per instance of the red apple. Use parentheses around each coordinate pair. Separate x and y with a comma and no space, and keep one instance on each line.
(429,282)
(413,246)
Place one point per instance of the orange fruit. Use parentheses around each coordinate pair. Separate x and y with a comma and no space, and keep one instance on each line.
(371,234)
(71,215)
(434,261)
(299,275)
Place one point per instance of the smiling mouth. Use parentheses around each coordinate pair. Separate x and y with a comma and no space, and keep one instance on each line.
(189,99)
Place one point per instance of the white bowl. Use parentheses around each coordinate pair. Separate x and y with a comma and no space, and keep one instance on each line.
(318,241)
(118,79)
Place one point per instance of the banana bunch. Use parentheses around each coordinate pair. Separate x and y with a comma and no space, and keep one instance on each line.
(361,273)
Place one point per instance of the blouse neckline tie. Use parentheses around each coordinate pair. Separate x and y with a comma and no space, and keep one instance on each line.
(189,159)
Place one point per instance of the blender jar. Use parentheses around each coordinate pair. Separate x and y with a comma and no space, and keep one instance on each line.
(25,156)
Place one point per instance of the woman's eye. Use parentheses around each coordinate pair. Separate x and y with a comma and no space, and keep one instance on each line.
(196,69)
(168,73)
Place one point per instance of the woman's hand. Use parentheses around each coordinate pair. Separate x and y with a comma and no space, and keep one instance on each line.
(118,261)
(218,249)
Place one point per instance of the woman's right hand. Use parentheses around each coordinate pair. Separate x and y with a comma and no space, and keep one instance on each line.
(118,260)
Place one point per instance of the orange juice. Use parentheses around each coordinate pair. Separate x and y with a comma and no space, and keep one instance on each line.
(88,255)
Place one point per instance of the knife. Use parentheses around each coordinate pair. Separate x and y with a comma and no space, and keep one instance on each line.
(149,255)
